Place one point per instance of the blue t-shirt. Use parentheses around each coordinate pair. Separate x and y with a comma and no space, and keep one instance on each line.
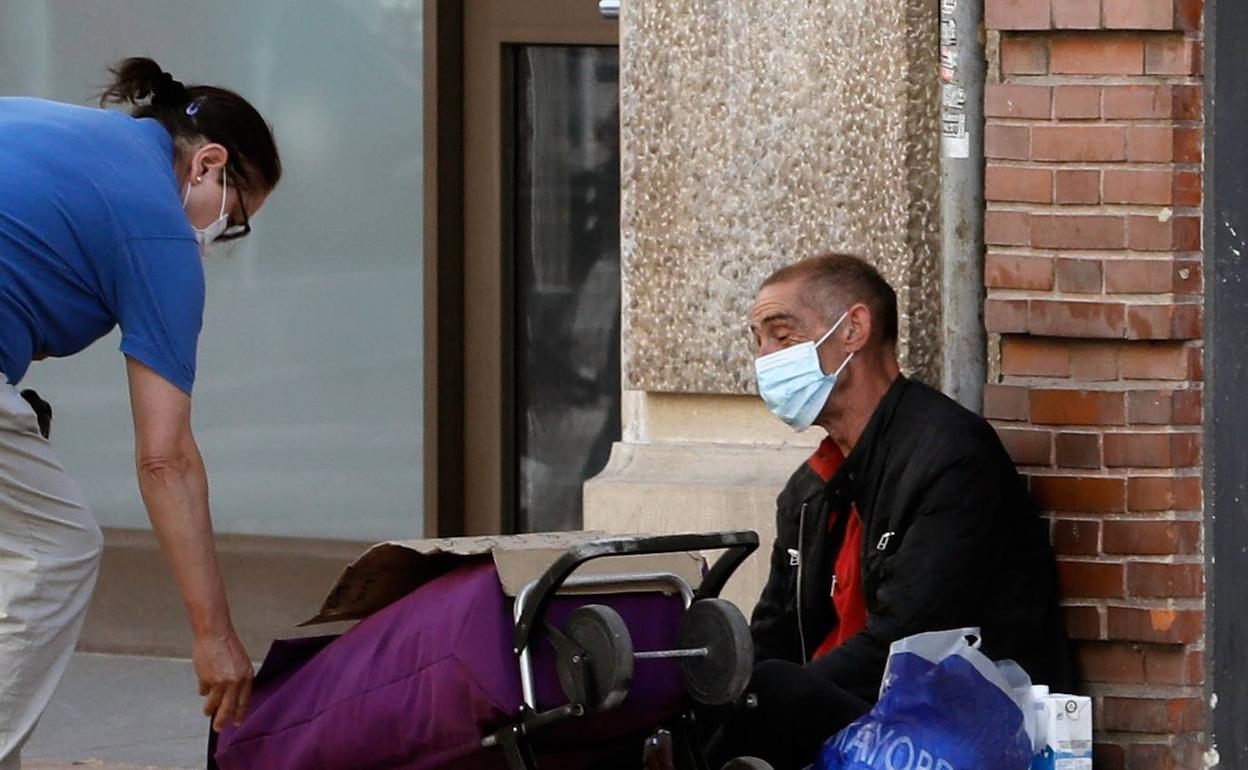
(92,235)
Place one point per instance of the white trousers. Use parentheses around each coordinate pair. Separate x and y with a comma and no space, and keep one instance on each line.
(49,556)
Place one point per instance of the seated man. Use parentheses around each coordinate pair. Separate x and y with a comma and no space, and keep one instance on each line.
(910,517)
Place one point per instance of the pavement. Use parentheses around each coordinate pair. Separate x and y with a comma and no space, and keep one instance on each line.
(114,712)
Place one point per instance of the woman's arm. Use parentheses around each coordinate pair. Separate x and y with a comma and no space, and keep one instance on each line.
(174,486)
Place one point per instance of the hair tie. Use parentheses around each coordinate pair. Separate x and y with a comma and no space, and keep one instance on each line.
(166,90)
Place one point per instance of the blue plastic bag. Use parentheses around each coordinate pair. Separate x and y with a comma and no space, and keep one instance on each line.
(943,706)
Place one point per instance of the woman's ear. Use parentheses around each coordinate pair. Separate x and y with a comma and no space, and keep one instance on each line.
(207,158)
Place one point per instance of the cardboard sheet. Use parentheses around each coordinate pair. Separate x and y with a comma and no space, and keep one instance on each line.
(388,571)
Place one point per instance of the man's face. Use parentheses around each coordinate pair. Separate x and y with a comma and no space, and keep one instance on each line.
(780,319)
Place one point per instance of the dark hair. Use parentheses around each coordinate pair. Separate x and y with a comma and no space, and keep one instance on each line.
(198,112)
(832,282)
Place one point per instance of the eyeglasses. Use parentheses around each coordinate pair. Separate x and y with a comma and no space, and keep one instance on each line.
(234,231)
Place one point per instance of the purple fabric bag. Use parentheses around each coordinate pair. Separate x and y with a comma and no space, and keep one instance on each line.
(416,685)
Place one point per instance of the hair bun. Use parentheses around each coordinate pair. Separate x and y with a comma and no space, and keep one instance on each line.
(166,90)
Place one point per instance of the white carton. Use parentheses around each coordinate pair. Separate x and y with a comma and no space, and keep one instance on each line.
(1065,731)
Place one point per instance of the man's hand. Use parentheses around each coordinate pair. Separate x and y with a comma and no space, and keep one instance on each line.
(225,674)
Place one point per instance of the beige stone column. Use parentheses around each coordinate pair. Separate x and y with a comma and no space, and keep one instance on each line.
(754,134)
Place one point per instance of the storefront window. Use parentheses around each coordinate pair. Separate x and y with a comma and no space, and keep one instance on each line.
(309,396)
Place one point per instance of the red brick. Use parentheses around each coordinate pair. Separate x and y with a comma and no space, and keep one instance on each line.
(1016,14)
(1188,277)
(1077,231)
(1138,276)
(1139,14)
(1151,450)
(1007,142)
(1083,622)
(1151,538)
(1150,144)
(1094,362)
(1079,276)
(1154,361)
(1027,447)
(1195,364)
(1004,100)
(1172,55)
(1150,715)
(1079,143)
(1090,579)
(1096,55)
(1078,450)
(1076,537)
(1173,665)
(1156,756)
(1188,407)
(1187,189)
(1087,320)
(1077,407)
(1187,14)
(1138,102)
(1112,662)
(1188,102)
(1161,580)
(1077,102)
(1007,228)
(1076,494)
(1150,407)
(1108,756)
(1006,316)
(1164,322)
(1150,233)
(1034,357)
(1006,402)
(1004,271)
(1148,187)
(1024,55)
(1154,494)
(1020,184)
(1078,186)
(1155,625)
(1076,14)
(1188,145)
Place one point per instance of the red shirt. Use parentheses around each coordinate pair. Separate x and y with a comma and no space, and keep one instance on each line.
(846,594)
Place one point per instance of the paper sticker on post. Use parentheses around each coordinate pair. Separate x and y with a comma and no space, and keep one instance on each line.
(953,97)
(954,140)
(948,7)
(948,63)
(948,31)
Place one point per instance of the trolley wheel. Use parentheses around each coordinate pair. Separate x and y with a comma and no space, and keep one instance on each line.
(598,672)
(722,674)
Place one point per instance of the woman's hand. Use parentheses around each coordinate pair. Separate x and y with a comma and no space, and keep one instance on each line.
(225,673)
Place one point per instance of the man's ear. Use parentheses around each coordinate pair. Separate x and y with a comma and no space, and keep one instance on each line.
(859,323)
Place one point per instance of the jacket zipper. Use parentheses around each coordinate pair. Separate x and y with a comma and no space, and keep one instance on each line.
(801,551)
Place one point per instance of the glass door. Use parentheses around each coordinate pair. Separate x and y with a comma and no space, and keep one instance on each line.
(566,277)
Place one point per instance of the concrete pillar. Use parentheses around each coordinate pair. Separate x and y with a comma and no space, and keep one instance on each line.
(752,135)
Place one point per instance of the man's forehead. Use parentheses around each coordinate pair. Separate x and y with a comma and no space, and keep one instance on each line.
(776,301)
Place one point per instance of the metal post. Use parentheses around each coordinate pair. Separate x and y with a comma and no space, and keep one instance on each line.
(962,68)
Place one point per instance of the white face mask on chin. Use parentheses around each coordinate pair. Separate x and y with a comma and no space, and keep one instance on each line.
(206,235)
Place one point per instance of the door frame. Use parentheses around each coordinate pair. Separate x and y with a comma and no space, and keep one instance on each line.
(469,418)
(1225,421)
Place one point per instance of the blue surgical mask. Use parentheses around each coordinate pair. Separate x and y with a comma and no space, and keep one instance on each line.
(792,383)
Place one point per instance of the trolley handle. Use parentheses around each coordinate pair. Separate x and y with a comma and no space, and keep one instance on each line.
(738,544)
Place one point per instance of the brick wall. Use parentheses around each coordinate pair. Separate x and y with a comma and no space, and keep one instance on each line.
(1094,284)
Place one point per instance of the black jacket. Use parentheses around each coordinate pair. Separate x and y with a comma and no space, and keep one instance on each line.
(951,539)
